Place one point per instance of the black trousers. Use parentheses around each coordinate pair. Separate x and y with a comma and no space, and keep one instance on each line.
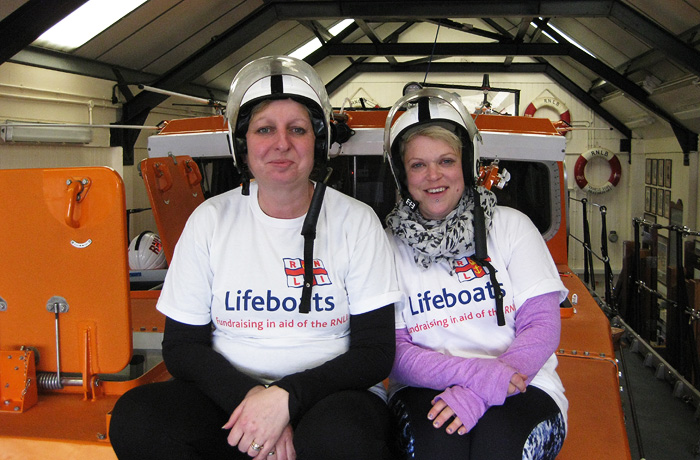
(174,420)
(500,434)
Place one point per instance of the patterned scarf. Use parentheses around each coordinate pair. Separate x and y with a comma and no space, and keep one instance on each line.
(447,239)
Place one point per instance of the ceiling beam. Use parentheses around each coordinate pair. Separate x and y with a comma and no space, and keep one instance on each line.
(467,28)
(656,36)
(514,49)
(318,30)
(627,86)
(654,56)
(402,10)
(343,77)
(477,67)
(688,141)
(519,36)
(136,110)
(447,67)
(373,37)
(320,54)
(445,49)
(62,62)
(204,59)
(588,100)
(273,11)
(29,22)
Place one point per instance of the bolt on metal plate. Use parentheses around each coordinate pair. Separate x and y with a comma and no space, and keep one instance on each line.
(57,304)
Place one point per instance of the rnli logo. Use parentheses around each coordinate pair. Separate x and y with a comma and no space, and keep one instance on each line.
(467,269)
(294,269)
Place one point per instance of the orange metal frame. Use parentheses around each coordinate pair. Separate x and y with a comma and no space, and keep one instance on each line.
(65,232)
(174,190)
(195,125)
(65,255)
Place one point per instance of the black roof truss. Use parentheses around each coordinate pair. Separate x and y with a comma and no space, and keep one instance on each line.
(273,11)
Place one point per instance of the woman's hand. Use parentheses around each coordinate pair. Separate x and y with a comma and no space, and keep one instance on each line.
(518,382)
(284,449)
(441,413)
(259,420)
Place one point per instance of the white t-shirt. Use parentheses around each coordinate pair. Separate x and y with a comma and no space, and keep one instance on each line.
(456,314)
(242,270)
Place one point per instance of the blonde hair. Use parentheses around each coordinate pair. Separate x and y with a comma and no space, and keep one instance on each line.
(432,131)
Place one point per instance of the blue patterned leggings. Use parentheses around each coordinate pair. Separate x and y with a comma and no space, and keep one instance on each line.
(528,426)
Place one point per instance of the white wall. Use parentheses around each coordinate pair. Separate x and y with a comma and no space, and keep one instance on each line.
(32,94)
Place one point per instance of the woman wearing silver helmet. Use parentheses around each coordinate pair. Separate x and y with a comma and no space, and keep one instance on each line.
(279,301)
(474,375)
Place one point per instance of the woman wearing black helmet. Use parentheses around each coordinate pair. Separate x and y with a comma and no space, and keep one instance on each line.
(279,301)
(474,375)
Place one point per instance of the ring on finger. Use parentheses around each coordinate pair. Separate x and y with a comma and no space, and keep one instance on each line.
(271,453)
(255,446)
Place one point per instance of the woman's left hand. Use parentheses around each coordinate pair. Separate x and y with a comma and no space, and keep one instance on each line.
(441,413)
(284,449)
(518,382)
(258,421)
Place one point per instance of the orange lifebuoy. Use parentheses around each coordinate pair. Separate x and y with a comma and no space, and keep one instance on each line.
(580,169)
(551,102)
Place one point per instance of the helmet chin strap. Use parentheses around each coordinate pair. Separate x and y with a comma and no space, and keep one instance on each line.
(245,183)
(245,178)
(308,231)
(481,256)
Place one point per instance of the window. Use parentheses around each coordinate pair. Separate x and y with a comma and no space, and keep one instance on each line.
(85,23)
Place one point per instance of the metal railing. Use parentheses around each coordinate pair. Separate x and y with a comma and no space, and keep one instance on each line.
(588,272)
(681,347)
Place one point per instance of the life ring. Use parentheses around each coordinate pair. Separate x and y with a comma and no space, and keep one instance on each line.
(551,102)
(580,169)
